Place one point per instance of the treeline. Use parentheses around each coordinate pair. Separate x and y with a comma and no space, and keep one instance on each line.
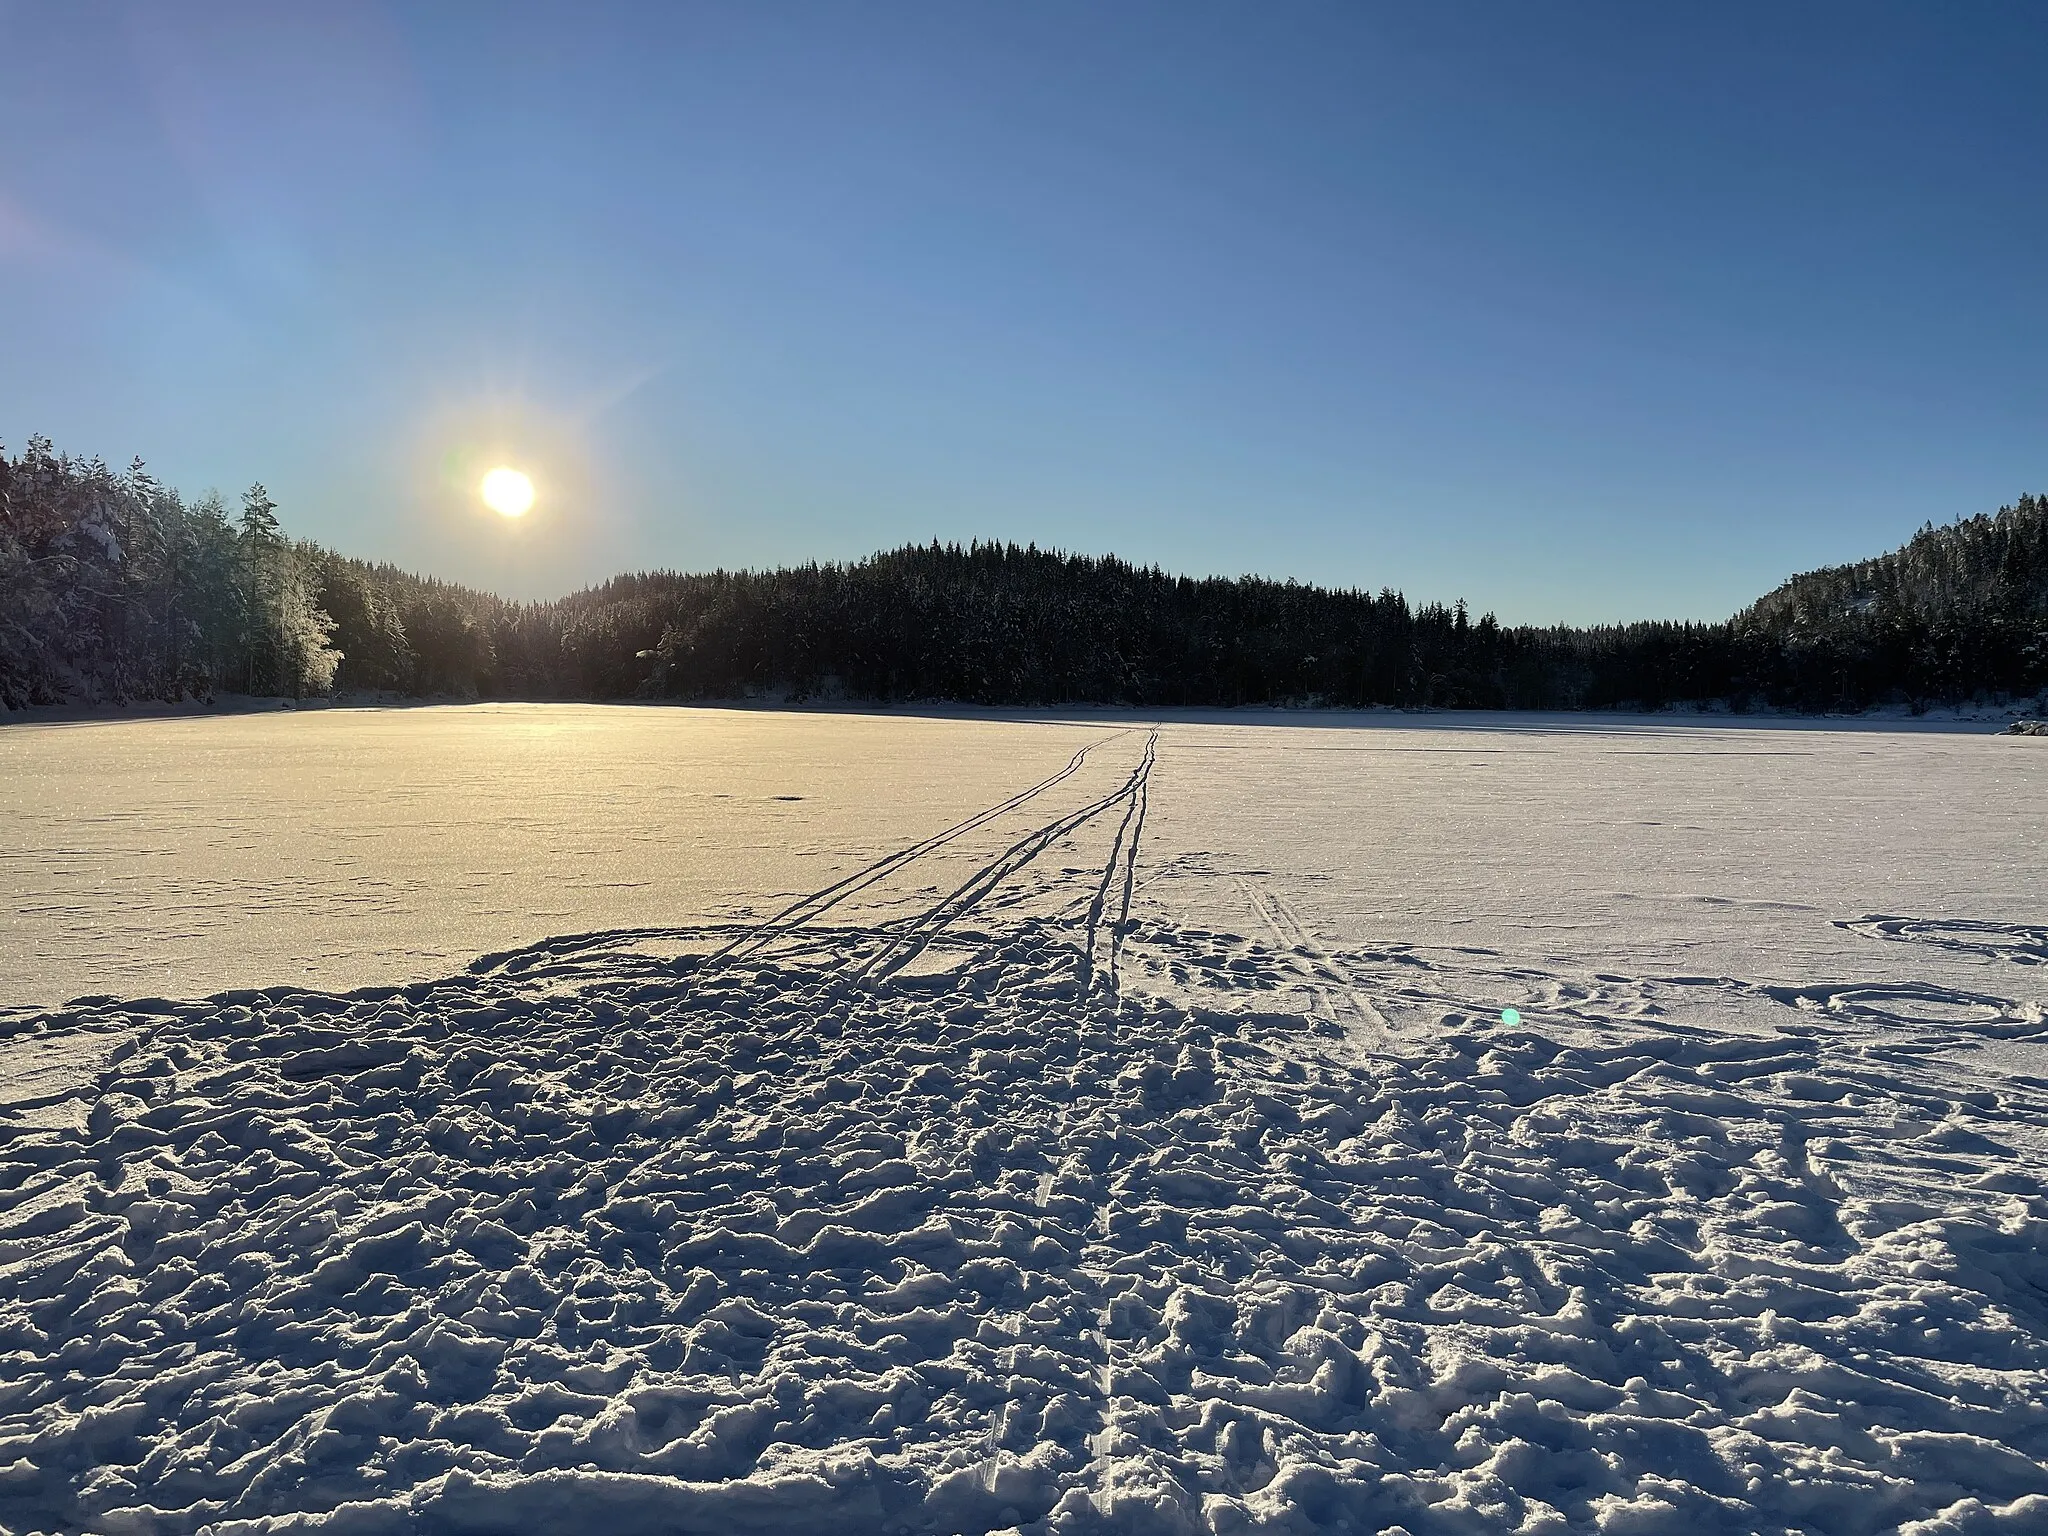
(114,587)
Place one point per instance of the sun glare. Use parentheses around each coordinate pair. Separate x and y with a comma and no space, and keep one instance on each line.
(507,492)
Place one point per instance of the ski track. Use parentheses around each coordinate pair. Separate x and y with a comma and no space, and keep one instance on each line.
(809,908)
(1326,975)
(1029,1210)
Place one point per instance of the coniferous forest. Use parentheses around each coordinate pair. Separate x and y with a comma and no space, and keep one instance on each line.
(114,587)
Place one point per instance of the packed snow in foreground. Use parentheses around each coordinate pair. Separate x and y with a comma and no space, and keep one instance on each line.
(1012,1198)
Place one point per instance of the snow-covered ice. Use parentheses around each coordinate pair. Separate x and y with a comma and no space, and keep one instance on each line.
(1079,1126)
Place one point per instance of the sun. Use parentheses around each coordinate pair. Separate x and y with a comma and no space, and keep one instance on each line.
(507,492)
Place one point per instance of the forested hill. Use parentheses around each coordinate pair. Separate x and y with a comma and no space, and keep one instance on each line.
(113,586)
(1959,610)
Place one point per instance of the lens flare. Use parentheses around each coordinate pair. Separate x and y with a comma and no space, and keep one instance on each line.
(507,492)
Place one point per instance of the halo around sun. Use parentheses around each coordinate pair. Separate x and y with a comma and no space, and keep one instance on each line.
(507,492)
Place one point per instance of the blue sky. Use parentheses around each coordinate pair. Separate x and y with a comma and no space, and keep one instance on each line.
(1579,312)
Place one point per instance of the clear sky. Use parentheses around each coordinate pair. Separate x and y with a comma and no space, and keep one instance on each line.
(1579,312)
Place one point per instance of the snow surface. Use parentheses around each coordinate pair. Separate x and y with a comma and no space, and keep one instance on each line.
(1079,1127)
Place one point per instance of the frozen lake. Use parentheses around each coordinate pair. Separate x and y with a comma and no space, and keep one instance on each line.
(343,848)
(701,1120)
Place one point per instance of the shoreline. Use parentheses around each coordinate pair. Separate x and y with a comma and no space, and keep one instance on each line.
(1939,718)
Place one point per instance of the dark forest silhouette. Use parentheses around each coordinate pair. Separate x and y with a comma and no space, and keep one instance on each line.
(114,587)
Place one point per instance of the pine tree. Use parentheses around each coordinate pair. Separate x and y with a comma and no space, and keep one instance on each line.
(261,543)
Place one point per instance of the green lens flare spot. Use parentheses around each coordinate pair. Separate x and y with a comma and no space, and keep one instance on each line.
(1510,1016)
